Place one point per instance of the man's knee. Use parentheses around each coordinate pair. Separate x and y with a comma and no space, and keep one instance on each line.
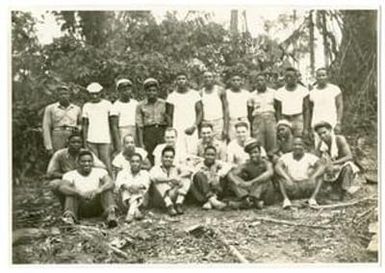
(199,177)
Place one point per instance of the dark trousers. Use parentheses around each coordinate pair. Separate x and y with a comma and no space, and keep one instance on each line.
(202,189)
(102,203)
(152,136)
(345,179)
(262,191)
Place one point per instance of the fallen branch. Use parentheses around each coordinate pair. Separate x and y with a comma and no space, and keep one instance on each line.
(118,251)
(342,205)
(232,248)
(289,223)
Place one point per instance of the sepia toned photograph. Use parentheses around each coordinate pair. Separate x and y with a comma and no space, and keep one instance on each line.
(219,135)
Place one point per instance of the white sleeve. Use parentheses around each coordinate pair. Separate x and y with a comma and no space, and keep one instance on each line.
(278,95)
(116,162)
(85,110)
(170,98)
(114,110)
(119,180)
(68,176)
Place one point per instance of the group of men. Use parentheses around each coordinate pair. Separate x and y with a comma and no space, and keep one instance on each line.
(217,144)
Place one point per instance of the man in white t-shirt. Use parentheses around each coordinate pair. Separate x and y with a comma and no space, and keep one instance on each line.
(123,114)
(88,192)
(187,114)
(96,124)
(292,103)
(326,103)
(237,98)
(236,154)
(300,174)
(122,160)
(215,106)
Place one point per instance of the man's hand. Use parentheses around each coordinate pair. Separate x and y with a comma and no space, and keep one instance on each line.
(337,128)
(175,182)
(190,130)
(134,189)
(290,182)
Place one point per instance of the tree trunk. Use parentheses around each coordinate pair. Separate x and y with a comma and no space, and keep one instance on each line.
(311,42)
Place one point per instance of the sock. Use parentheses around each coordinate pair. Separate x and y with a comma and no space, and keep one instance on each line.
(168,201)
(180,199)
(133,207)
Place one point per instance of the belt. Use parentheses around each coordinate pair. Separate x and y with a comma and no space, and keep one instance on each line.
(291,116)
(65,128)
(155,125)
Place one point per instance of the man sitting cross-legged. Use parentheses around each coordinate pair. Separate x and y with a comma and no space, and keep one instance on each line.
(133,185)
(171,182)
(209,180)
(251,180)
(88,192)
(300,174)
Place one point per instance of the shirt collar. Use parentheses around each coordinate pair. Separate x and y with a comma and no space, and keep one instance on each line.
(58,105)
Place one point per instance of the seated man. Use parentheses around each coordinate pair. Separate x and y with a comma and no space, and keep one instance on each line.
(284,140)
(88,192)
(170,136)
(299,174)
(236,154)
(209,180)
(122,159)
(133,185)
(170,182)
(65,160)
(251,180)
(337,156)
(207,139)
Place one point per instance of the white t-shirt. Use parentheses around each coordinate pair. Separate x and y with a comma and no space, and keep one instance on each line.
(237,103)
(184,109)
(212,104)
(291,101)
(324,104)
(236,154)
(157,153)
(122,163)
(299,169)
(125,111)
(85,183)
(98,126)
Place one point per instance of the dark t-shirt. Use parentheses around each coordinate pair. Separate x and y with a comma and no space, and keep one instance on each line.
(251,170)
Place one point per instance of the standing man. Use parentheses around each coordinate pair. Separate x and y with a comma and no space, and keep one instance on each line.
(123,114)
(60,120)
(326,103)
(215,106)
(261,113)
(237,99)
(300,174)
(96,124)
(207,139)
(187,115)
(88,192)
(293,104)
(153,116)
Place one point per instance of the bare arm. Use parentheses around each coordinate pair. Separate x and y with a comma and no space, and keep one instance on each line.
(278,109)
(340,110)
(47,127)
(250,114)
(169,114)
(106,184)
(345,150)
(114,121)
(306,112)
(198,113)
(265,175)
(146,164)
(85,123)
(67,189)
(318,170)
(280,170)
(225,109)
(139,125)
(234,176)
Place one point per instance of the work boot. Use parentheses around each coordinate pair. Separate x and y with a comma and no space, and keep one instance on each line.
(129,218)
(138,215)
(68,219)
(179,208)
(111,219)
(171,210)
(286,204)
(207,206)
(219,205)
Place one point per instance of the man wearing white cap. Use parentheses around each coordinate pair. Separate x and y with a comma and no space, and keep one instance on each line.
(123,113)
(60,120)
(96,124)
(187,115)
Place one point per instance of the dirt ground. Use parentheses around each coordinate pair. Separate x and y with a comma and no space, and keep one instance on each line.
(338,235)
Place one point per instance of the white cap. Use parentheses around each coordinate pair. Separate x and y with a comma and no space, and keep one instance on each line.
(122,81)
(94,87)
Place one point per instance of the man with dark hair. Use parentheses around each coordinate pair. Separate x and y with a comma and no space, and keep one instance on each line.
(237,98)
(60,120)
(209,181)
(171,182)
(188,114)
(123,114)
(65,160)
(335,151)
(261,113)
(292,103)
(133,185)
(153,116)
(215,106)
(170,139)
(251,180)
(300,174)
(88,192)
(207,139)
(284,140)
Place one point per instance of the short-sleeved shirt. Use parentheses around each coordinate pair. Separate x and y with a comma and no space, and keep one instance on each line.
(122,163)
(148,114)
(262,102)
(125,111)
(236,154)
(292,101)
(250,170)
(237,102)
(299,169)
(212,103)
(215,171)
(98,115)
(85,183)
(157,153)
(219,146)
(324,104)
(125,177)
(63,162)
(184,108)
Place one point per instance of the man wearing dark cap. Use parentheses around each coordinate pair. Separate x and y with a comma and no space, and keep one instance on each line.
(251,181)
(60,120)
(123,114)
(153,116)
(335,152)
